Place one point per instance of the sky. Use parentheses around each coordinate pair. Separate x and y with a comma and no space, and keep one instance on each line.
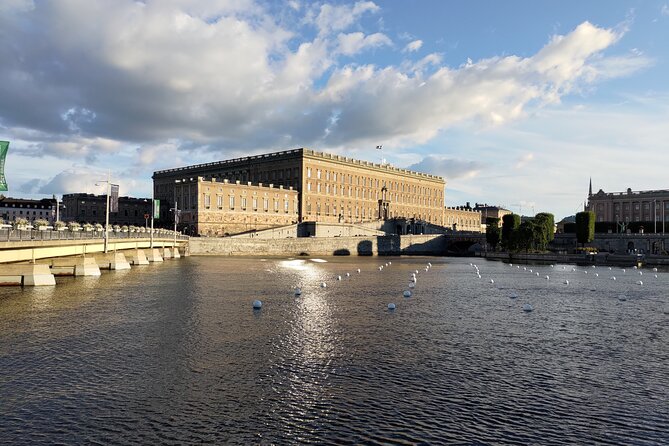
(516,103)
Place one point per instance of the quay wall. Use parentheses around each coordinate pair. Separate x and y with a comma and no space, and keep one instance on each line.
(321,246)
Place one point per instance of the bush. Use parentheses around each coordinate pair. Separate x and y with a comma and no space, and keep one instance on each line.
(40,222)
(510,224)
(585,227)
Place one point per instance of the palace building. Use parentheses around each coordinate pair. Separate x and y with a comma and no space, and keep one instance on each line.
(629,206)
(317,187)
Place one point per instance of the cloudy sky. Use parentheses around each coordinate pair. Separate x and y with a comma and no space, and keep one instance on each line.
(516,103)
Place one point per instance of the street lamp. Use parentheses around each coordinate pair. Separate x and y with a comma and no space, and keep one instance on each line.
(106,234)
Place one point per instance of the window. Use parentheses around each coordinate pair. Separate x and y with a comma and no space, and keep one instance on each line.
(232,201)
(207,201)
(308,172)
(309,187)
(285,205)
(265,204)
(219,201)
(318,187)
(255,204)
(276,205)
(244,203)
(318,174)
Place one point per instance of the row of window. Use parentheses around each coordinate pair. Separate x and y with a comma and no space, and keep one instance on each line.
(373,182)
(368,194)
(359,212)
(29,206)
(254,203)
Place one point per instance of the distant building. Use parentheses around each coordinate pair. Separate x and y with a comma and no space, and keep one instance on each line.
(31,210)
(463,218)
(488,211)
(90,208)
(224,208)
(330,188)
(629,206)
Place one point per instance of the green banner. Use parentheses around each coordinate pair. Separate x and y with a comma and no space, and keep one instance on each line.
(4,145)
(156,209)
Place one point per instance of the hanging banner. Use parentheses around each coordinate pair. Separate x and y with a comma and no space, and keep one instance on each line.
(156,209)
(113,198)
(4,145)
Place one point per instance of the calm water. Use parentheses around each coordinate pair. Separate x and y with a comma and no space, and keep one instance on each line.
(175,354)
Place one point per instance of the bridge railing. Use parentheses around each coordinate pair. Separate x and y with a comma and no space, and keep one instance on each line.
(16,235)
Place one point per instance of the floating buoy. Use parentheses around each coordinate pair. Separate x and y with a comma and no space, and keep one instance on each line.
(613,278)
(593,266)
(510,264)
(391,306)
(429,264)
(518,266)
(622,297)
(654,270)
(623,270)
(530,270)
(596,274)
(634,267)
(585,272)
(524,268)
(551,266)
(390,263)
(656,276)
(527,308)
(513,295)
(257,304)
(547,278)
(641,273)
(338,277)
(417,271)
(573,269)
(324,285)
(348,274)
(478,275)
(380,268)
(406,293)
(491,281)
(358,270)
(537,274)
(412,284)
(609,268)
(639,283)
(298,291)
(566,282)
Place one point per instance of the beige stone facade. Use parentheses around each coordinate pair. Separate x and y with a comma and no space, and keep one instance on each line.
(218,208)
(463,219)
(330,188)
(629,206)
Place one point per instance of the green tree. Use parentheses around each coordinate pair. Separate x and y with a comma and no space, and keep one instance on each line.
(510,224)
(525,235)
(492,232)
(546,222)
(585,227)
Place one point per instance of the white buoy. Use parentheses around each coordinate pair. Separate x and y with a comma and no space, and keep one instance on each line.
(478,275)
(298,291)
(613,278)
(654,270)
(634,267)
(348,274)
(530,270)
(412,284)
(596,274)
(639,283)
(390,263)
(406,293)
(624,271)
(656,276)
(524,268)
(527,308)
(429,264)
(547,278)
(593,266)
(573,269)
(641,273)
(338,277)
(513,295)
(537,274)
(518,266)
(609,268)
(427,269)
(566,282)
(391,306)
(551,266)
(585,272)
(510,264)
(380,268)
(324,285)
(491,281)
(417,271)
(358,270)
(257,305)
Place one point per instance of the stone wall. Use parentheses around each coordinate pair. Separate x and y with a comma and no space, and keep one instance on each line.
(313,246)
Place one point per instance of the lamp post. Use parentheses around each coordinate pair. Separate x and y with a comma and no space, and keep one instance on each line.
(106,233)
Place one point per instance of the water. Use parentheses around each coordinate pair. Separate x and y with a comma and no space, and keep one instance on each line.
(173,353)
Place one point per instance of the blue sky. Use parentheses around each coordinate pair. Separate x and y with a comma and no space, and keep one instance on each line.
(515,103)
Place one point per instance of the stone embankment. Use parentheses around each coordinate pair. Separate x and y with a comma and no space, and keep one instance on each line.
(321,246)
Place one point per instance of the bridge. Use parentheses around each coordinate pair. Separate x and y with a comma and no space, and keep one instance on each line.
(35,257)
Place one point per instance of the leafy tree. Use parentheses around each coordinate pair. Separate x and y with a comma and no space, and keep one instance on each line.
(525,235)
(585,227)
(546,222)
(492,232)
(510,224)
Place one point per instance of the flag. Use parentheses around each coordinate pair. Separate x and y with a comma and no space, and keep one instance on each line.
(113,198)
(379,147)
(4,145)
(156,209)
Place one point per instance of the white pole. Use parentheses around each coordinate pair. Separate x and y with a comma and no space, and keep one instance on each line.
(57,215)
(107,213)
(655,218)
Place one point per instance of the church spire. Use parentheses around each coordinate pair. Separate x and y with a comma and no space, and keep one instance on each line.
(590,189)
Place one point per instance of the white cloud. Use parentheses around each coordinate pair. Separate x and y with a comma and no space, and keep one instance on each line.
(413,46)
(332,18)
(353,43)
(665,10)
(449,168)
(524,160)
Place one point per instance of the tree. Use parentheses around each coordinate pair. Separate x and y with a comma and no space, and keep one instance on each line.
(525,235)
(585,227)
(546,222)
(492,233)
(510,224)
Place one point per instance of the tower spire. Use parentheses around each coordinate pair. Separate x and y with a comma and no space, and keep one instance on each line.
(590,189)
